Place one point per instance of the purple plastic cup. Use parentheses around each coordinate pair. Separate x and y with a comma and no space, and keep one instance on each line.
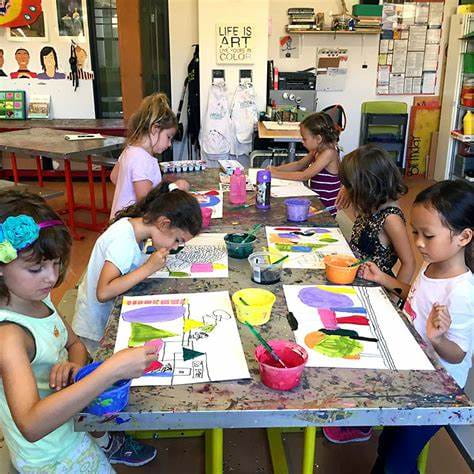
(297,209)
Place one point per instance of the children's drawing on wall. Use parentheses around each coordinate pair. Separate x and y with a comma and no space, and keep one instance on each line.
(49,64)
(191,333)
(289,47)
(2,61)
(80,56)
(352,326)
(36,31)
(22,57)
(70,15)
(15,13)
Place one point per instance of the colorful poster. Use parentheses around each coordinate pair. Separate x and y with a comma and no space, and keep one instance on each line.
(352,327)
(195,334)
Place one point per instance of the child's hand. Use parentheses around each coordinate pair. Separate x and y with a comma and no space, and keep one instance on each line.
(62,374)
(342,199)
(157,260)
(182,184)
(438,322)
(370,271)
(132,362)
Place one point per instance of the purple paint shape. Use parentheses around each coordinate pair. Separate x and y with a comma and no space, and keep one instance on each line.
(154,314)
(288,236)
(320,230)
(201,268)
(318,298)
(328,318)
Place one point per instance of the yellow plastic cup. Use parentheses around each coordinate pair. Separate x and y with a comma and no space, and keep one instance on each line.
(259,309)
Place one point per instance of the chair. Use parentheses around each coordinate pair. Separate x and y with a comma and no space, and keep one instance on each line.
(385,123)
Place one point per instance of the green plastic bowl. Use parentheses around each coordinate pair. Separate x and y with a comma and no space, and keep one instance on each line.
(236,248)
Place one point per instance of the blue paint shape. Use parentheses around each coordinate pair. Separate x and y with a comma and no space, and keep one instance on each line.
(119,420)
(301,248)
(352,310)
(318,298)
(211,202)
(154,314)
(288,236)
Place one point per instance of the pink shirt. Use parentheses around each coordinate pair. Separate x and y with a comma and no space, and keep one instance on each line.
(134,164)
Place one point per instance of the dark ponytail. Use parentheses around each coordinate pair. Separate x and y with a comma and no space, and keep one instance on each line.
(321,124)
(180,207)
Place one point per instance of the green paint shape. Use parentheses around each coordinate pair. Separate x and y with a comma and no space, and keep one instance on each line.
(142,333)
(189,354)
(106,403)
(316,246)
(178,274)
(208,328)
(339,346)
(328,239)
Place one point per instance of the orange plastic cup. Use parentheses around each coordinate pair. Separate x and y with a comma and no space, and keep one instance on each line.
(338,270)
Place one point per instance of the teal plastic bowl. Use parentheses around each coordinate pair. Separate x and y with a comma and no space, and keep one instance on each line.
(236,248)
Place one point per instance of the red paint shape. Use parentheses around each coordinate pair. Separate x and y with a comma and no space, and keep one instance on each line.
(212,192)
(155,365)
(297,229)
(328,318)
(354,319)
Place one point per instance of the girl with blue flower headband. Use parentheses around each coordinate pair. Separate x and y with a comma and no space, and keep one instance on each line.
(39,352)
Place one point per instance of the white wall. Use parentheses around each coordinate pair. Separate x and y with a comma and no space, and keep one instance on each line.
(65,103)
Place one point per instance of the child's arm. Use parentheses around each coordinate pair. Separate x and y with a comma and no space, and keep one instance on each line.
(36,417)
(297,165)
(62,374)
(112,283)
(322,160)
(114,173)
(437,325)
(142,188)
(397,233)
(370,271)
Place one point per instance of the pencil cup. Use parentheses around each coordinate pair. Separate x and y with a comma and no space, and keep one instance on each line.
(206,217)
(338,270)
(113,400)
(259,305)
(275,376)
(263,271)
(297,209)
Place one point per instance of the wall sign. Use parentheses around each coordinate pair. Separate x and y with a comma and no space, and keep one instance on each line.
(234,43)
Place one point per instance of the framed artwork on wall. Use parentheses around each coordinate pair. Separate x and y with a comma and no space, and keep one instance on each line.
(71,18)
(37,31)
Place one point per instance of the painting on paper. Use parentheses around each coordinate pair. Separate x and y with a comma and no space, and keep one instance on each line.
(195,335)
(306,247)
(211,198)
(204,256)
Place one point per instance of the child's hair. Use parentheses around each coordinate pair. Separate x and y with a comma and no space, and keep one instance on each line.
(180,207)
(154,110)
(454,202)
(53,242)
(321,124)
(371,178)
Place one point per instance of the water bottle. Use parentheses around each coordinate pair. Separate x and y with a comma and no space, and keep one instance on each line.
(262,198)
(237,188)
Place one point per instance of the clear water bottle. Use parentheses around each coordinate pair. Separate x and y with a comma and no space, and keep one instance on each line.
(237,187)
(262,198)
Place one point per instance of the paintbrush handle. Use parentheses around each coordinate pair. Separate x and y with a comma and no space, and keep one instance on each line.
(264,343)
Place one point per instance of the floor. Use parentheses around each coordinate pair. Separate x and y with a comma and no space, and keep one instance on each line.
(246,451)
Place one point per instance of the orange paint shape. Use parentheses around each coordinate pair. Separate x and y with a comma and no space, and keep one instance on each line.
(312,339)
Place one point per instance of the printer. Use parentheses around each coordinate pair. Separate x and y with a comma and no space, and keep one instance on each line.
(300,81)
(295,89)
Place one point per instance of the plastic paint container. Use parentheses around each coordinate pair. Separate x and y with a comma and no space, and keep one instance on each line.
(263,271)
(297,209)
(275,376)
(259,309)
(236,248)
(338,270)
(206,217)
(113,400)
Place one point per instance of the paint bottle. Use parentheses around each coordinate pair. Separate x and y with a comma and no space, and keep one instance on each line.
(237,187)
(262,198)
(468,123)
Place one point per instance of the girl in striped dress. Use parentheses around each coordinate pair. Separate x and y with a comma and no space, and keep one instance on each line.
(321,165)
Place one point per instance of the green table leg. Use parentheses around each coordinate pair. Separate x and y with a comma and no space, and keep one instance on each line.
(423,459)
(309,450)
(277,451)
(214,451)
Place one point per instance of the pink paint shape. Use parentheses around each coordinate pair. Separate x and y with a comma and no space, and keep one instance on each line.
(201,268)
(154,314)
(155,365)
(328,318)
(156,343)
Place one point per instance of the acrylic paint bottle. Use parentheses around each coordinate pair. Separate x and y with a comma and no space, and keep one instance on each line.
(262,198)
(237,193)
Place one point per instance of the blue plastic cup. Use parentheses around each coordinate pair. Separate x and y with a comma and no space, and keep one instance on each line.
(297,209)
(113,400)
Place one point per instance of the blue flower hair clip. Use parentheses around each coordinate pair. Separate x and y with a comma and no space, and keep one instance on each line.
(18,233)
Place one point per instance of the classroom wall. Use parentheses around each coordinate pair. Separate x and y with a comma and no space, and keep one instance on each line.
(65,102)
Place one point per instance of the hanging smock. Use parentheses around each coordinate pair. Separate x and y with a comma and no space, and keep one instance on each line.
(244,116)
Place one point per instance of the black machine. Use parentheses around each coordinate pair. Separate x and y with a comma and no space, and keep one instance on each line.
(301,80)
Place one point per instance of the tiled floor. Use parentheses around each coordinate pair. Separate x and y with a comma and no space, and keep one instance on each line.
(246,451)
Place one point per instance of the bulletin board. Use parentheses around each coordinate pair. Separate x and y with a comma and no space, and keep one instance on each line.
(409,48)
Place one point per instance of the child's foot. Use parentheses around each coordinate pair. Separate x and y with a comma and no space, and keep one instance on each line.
(123,449)
(347,435)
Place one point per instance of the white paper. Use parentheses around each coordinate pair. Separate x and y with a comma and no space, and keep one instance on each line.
(430,62)
(408,87)
(325,241)
(429,82)
(389,59)
(390,45)
(422,12)
(275,181)
(208,249)
(211,330)
(382,90)
(405,34)
(383,75)
(417,38)
(383,46)
(324,308)
(433,35)
(408,13)
(297,189)
(416,85)
(397,83)
(214,201)
(414,67)
(399,56)
(436,14)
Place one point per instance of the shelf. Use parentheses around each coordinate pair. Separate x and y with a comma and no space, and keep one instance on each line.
(457,135)
(368,31)
(465,107)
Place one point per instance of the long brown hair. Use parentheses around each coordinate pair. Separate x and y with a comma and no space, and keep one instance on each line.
(154,110)
(371,178)
(323,125)
(53,242)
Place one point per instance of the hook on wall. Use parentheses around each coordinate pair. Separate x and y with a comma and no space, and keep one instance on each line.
(218,77)
(245,77)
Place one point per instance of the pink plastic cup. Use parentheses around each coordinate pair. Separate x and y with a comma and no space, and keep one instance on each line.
(275,376)
(206,217)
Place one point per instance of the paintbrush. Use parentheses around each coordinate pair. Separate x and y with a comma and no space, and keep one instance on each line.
(326,209)
(252,232)
(359,262)
(280,260)
(265,344)
(243,301)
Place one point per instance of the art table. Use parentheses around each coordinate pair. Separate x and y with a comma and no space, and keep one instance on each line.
(45,193)
(326,396)
(51,143)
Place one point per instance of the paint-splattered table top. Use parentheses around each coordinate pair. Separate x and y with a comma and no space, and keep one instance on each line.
(325,396)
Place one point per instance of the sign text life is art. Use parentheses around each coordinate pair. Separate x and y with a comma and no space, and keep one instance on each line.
(234,43)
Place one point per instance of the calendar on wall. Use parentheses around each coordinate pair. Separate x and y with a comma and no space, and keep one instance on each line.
(409,47)
(12,105)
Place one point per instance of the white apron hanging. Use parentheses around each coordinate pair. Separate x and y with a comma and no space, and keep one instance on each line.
(244,116)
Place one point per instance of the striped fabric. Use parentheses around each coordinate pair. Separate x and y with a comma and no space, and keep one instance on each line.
(327,185)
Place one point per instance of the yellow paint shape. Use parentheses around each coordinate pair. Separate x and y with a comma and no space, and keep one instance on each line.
(344,290)
(190,324)
(219,266)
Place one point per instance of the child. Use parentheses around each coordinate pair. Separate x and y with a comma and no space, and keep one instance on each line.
(137,171)
(117,263)
(373,184)
(440,302)
(321,164)
(40,354)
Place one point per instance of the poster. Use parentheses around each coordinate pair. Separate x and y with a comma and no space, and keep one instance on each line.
(235,43)
(71,18)
(289,46)
(37,31)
